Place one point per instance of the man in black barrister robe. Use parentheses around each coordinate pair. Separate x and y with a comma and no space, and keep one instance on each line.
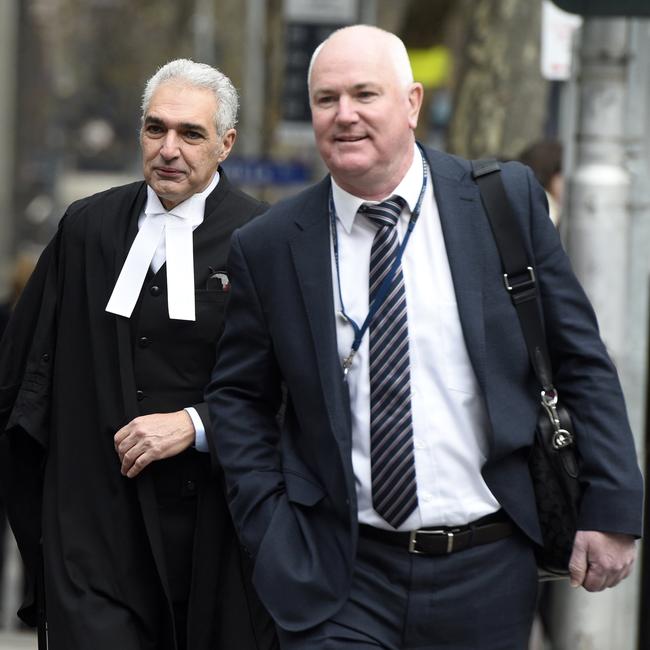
(102,371)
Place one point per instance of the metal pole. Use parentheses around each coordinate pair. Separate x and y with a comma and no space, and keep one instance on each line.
(634,372)
(203,31)
(598,231)
(8,46)
(368,12)
(599,185)
(253,95)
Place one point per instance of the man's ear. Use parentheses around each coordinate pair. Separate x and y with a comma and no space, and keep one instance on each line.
(227,142)
(415,96)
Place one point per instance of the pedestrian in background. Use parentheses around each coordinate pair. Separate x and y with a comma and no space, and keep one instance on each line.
(544,157)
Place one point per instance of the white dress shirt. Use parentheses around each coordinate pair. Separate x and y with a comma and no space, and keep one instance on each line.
(449,415)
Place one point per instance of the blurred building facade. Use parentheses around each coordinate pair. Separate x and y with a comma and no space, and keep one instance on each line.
(79,67)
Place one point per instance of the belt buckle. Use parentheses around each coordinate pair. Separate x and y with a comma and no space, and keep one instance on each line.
(413,539)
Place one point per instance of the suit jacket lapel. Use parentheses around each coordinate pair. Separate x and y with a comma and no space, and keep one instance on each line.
(214,221)
(464,232)
(311,253)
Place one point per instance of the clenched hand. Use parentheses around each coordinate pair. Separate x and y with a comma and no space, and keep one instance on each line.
(601,560)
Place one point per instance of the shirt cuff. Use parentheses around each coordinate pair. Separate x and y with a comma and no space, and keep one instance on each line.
(200,441)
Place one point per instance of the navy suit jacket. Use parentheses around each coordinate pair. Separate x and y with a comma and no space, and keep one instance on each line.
(290,480)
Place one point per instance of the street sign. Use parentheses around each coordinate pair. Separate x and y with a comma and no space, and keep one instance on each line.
(606,7)
(307,24)
(301,39)
(266,172)
(321,11)
(558,28)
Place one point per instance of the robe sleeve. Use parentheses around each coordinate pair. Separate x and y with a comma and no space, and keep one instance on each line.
(26,360)
(27,352)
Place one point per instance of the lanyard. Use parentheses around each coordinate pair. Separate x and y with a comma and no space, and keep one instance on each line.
(384,288)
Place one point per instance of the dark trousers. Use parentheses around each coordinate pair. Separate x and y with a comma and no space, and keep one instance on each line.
(482,598)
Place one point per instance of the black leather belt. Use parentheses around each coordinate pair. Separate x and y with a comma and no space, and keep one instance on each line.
(442,540)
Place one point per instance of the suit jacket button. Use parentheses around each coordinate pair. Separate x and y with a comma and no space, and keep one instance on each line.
(143,342)
(154,290)
(139,394)
(45,357)
(190,486)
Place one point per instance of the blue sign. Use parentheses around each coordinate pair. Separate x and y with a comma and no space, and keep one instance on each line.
(263,171)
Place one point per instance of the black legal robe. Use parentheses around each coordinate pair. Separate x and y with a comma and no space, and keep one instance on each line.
(72,374)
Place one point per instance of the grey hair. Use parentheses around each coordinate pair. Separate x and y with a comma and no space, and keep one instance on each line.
(199,75)
(396,51)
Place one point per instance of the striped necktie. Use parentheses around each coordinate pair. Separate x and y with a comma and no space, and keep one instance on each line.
(394,494)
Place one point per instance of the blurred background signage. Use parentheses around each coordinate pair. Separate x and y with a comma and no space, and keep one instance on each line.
(307,24)
(558,30)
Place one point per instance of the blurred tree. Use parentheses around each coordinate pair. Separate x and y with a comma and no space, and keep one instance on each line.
(428,24)
(35,140)
(99,54)
(500,99)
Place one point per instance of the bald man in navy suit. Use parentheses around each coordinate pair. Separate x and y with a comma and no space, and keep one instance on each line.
(392,506)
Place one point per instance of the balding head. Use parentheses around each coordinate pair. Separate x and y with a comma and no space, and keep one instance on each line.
(368,36)
(364,107)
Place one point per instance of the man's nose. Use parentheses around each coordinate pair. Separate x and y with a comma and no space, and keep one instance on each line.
(169,145)
(346,111)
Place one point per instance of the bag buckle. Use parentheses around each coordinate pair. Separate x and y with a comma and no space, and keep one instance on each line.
(414,534)
(524,284)
(561,437)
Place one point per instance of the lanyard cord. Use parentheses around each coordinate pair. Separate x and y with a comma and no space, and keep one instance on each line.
(384,288)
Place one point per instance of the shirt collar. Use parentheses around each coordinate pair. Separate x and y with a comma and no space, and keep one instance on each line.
(347,205)
(192,208)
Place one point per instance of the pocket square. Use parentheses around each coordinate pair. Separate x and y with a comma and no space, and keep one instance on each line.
(218,281)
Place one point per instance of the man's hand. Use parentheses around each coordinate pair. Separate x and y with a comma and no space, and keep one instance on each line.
(152,437)
(601,560)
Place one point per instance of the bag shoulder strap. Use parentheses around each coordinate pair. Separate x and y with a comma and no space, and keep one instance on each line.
(519,273)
